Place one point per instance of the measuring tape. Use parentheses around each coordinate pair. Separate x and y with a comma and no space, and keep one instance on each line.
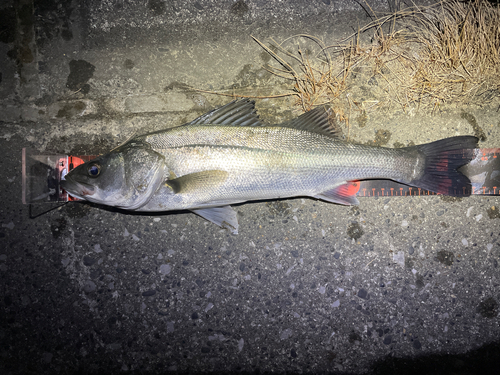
(483,171)
(42,174)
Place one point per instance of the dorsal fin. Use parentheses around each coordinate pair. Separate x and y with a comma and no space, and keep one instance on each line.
(314,121)
(236,113)
(242,113)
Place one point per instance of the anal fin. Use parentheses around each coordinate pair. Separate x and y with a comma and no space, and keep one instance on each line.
(223,216)
(342,194)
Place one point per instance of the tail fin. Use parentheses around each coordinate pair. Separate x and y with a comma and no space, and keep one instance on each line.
(443,159)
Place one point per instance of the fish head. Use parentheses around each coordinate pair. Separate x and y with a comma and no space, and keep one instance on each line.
(126,177)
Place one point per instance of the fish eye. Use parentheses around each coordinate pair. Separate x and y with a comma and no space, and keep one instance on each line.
(94,170)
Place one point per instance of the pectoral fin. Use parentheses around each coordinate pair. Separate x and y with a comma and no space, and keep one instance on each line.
(342,194)
(224,217)
(197,182)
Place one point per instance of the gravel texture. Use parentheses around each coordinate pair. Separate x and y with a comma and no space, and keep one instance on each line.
(392,286)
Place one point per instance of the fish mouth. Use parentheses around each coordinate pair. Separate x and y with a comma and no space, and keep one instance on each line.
(77,189)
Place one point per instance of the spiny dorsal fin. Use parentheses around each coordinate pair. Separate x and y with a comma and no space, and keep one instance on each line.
(236,113)
(314,121)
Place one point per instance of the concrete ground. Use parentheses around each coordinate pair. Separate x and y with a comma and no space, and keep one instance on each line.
(394,285)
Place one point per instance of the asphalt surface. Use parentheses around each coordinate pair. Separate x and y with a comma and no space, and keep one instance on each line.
(394,285)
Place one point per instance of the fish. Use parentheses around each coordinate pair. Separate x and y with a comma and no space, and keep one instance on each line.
(229,156)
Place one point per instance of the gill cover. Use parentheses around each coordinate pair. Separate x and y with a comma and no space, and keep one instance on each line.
(143,169)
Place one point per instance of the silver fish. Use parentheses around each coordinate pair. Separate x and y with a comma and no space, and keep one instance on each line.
(229,156)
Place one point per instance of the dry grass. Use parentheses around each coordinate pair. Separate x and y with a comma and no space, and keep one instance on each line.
(418,58)
(314,82)
(460,51)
